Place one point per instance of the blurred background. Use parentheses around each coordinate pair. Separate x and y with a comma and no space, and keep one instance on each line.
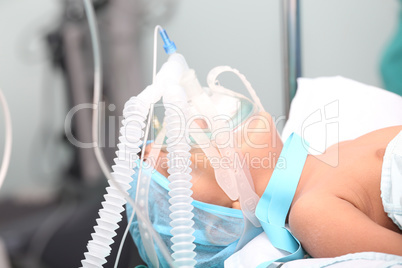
(53,190)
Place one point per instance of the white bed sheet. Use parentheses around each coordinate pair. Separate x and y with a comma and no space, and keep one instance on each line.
(260,250)
(364,259)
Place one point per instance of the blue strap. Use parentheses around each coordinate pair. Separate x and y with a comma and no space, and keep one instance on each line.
(273,207)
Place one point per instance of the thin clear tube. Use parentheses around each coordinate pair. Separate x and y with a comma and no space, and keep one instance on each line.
(144,182)
(8,139)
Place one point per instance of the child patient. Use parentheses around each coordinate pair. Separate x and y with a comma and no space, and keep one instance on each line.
(335,210)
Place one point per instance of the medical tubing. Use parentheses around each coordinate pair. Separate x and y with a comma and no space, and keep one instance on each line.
(179,162)
(135,113)
(157,29)
(8,139)
(141,197)
(99,248)
(116,263)
(98,78)
(169,74)
(168,45)
(213,82)
(143,181)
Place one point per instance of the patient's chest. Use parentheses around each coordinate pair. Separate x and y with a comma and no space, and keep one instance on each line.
(356,177)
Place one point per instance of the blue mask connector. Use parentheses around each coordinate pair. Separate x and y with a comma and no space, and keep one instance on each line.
(169,46)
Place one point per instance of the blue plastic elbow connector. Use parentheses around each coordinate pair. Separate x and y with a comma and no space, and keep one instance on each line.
(169,46)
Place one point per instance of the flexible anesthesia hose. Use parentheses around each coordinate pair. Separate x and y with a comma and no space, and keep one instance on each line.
(180,186)
(135,114)
(175,102)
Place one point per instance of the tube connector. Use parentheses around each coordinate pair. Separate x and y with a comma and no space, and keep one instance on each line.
(169,46)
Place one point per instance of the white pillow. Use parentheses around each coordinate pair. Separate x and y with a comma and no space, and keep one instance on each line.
(328,110)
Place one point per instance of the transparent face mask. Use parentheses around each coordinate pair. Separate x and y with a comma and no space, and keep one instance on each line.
(217,228)
(229,106)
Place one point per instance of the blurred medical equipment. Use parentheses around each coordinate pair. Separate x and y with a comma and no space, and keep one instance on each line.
(120,33)
(4,261)
(120,22)
(36,232)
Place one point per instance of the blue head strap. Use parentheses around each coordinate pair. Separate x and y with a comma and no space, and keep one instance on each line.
(273,207)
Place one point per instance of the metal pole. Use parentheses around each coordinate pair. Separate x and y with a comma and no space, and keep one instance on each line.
(291,48)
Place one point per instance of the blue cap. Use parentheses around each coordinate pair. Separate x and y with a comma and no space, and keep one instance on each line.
(169,46)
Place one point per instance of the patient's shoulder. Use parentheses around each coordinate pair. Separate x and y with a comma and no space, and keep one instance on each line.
(329,226)
(312,220)
(305,211)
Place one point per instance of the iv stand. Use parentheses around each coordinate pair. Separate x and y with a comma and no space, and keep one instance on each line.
(291,49)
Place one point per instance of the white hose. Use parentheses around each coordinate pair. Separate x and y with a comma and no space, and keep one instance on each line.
(135,113)
(99,246)
(175,102)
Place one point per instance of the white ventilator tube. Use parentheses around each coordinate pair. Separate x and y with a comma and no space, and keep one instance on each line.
(99,246)
(175,102)
(179,169)
(135,113)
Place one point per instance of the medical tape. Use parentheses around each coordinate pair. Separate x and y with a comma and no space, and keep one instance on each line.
(223,176)
(275,202)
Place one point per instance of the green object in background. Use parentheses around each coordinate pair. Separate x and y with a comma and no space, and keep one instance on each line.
(391,63)
(141,266)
